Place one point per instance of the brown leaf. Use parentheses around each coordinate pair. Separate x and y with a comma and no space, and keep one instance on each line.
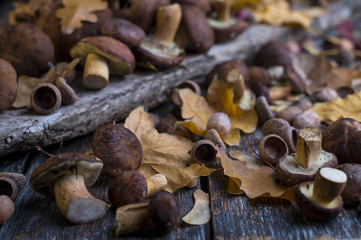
(164,153)
(76,11)
(200,213)
(29,9)
(255,178)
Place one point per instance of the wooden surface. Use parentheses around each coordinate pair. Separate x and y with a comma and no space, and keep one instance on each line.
(233,216)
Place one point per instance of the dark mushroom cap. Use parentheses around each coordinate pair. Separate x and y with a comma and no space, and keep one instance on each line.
(27,48)
(291,173)
(165,211)
(273,54)
(343,138)
(43,177)
(226,31)
(119,57)
(118,147)
(8,85)
(352,192)
(303,199)
(124,31)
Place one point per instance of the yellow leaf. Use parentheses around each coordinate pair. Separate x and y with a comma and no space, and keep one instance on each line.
(27,9)
(255,180)
(26,86)
(76,11)
(348,107)
(234,185)
(200,213)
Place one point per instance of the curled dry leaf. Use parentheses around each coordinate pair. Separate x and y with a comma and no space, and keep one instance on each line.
(200,213)
(348,107)
(30,8)
(76,11)
(253,177)
(164,153)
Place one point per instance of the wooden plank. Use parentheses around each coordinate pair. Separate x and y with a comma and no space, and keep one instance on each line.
(236,217)
(37,217)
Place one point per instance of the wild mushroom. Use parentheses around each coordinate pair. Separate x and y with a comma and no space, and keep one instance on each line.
(226,27)
(27,48)
(352,192)
(103,55)
(67,176)
(321,199)
(308,159)
(133,187)
(118,147)
(160,51)
(160,216)
(8,85)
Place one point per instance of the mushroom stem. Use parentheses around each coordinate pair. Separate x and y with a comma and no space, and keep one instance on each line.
(132,218)
(167,22)
(308,148)
(156,183)
(236,79)
(96,72)
(223,8)
(328,185)
(75,202)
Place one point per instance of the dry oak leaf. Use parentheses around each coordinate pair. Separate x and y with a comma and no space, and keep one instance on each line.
(164,153)
(29,9)
(254,177)
(200,213)
(76,11)
(348,107)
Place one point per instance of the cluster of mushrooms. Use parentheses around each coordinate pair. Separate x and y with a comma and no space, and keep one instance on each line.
(150,34)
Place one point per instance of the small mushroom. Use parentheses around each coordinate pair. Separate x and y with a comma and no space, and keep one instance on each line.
(160,51)
(204,152)
(160,216)
(118,147)
(273,53)
(46,99)
(220,122)
(8,85)
(321,199)
(225,26)
(103,55)
(352,192)
(272,148)
(224,72)
(133,187)
(308,159)
(67,176)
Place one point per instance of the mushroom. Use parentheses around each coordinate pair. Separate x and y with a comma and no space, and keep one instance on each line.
(352,192)
(308,159)
(8,85)
(226,27)
(194,32)
(160,51)
(273,53)
(160,216)
(321,199)
(45,99)
(103,55)
(204,152)
(67,176)
(133,187)
(27,48)
(118,147)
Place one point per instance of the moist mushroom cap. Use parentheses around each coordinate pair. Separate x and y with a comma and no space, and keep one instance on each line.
(225,31)
(124,31)
(8,85)
(27,48)
(119,57)
(303,199)
(43,177)
(352,192)
(291,173)
(273,54)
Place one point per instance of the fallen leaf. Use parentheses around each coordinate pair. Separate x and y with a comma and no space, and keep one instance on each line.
(348,107)
(164,153)
(76,11)
(200,213)
(255,179)
(234,185)
(29,9)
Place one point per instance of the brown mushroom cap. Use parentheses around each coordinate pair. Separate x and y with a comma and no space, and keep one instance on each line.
(8,85)
(119,57)
(273,54)
(290,173)
(303,197)
(226,31)
(222,70)
(43,177)
(27,48)
(124,31)
(352,192)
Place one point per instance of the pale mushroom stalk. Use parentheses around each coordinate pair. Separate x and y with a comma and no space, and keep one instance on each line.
(75,202)
(223,8)
(308,147)
(156,183)
(96,72)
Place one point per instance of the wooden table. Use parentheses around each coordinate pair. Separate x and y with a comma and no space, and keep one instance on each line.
(233,217)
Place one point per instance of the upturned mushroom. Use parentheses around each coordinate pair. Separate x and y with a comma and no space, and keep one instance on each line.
(103,56)
(8,85)
(132,187)
(308,159)
(225,26)
(321,199)
(67,176)
(160,216)
(160,51)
